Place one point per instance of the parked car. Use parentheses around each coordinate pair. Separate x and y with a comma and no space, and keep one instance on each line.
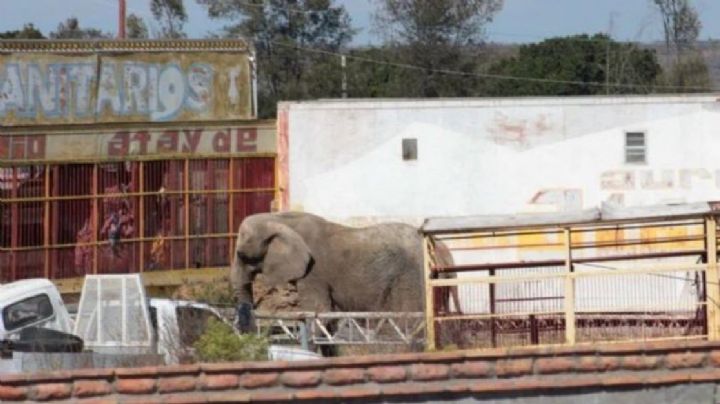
(115,322)
(31,303)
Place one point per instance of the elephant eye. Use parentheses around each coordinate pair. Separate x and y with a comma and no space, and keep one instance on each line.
(249,260)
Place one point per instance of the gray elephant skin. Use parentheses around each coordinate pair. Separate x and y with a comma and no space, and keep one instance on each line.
(335,268)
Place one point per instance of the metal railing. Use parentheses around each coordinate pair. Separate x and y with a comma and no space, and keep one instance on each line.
(648,281)
(342,328)
(657,302)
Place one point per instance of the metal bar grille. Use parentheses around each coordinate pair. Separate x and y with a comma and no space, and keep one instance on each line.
(68,220)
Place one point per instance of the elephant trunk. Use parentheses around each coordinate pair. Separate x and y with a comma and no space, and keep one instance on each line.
(242,283)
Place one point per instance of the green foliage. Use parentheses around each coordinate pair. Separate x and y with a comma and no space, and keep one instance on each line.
(282,31)
(436,36)
(136,27)
(27,32)
(580,58)
(449,22)
(220,343)
(171,16)
(372,80)
(70,29)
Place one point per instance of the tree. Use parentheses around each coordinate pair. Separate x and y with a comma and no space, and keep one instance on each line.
(681,24)
(436,36)
(171,16)
(290,37)
(136,27)
(70,29)
(559,63)
(375,80)
(27,32)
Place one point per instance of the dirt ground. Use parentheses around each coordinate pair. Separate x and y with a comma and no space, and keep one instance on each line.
(274,299)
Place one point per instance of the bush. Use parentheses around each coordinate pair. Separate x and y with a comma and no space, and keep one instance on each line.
(220,343)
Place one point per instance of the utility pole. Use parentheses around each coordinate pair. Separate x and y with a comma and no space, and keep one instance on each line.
(607,53)
(121,19)
(343,64)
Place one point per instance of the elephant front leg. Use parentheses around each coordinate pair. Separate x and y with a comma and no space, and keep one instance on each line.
(314,297)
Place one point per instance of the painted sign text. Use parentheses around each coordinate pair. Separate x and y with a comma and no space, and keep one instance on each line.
(46,89)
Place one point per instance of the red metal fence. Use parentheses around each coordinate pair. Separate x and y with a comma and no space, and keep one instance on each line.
(67,220)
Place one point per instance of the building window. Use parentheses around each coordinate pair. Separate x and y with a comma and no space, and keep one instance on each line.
(409,149)
(635,148)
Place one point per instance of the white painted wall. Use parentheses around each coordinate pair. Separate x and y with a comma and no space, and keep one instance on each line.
(493,156)
(504,156)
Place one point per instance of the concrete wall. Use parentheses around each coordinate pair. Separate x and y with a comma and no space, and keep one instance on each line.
(492,156)
(506,156)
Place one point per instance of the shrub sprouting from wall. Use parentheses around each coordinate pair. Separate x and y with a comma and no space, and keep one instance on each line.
(220,343)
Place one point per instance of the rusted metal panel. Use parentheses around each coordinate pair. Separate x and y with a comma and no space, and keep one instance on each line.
(84,83)
(155,143)
(605,215)
(489,222)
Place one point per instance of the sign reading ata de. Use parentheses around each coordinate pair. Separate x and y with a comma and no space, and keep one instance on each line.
(141,87)
(208,141)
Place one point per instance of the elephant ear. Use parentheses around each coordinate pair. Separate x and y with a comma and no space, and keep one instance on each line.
(287,258)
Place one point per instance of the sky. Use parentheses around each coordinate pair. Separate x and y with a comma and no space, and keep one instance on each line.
(518,21)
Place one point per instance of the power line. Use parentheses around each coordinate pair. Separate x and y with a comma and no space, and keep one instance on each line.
(491,75)
(284,8)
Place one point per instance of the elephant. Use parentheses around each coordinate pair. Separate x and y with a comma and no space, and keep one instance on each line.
(334,267)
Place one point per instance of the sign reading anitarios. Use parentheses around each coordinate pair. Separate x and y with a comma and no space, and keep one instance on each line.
(47,88)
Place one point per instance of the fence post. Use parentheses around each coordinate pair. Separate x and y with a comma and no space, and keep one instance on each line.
(14,223)
(141,214)
(569,300)
(304,337)
(430,342)
(46,224)
(186,211)
(712,280)
(97,223)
